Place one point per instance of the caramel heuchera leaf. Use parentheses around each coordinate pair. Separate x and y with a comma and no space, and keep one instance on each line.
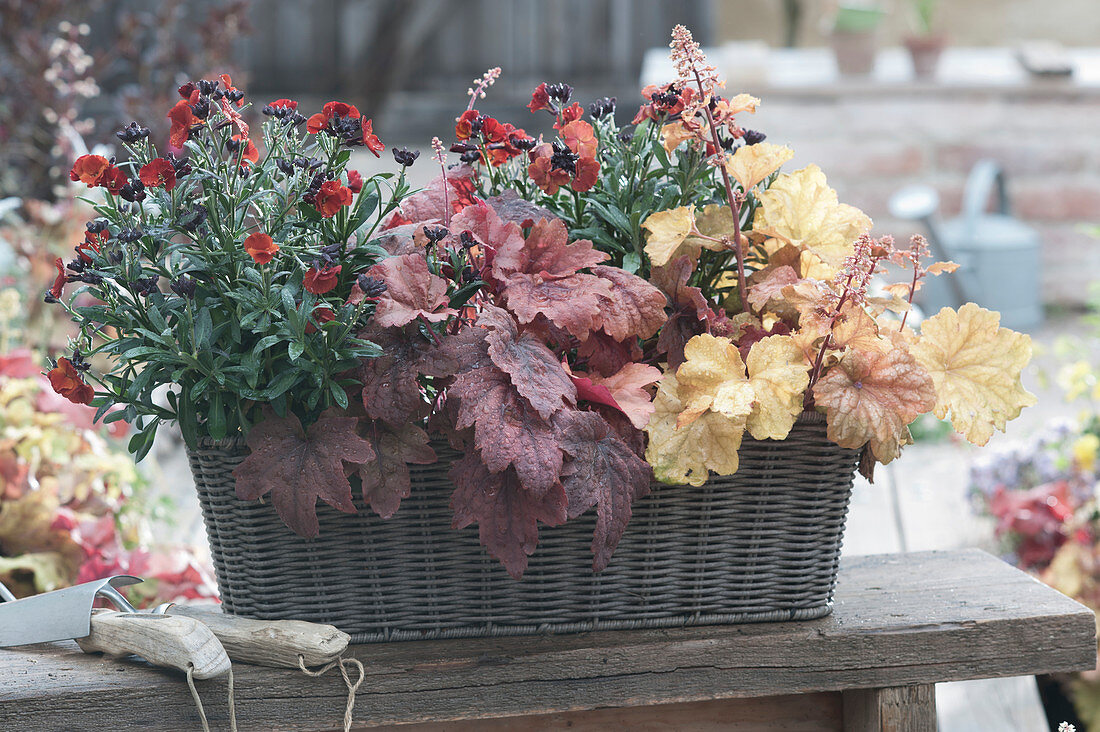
(627,388)
(533,368)
(603,472)
(751,164)
(713,377)
(684,455)
(871,397)
(506,513)
(298,466)
(801,208)
(778,374)
(975,366)
(636,309)
(772,285)
(667,232)
(507,429)
(412,291)
(386,478)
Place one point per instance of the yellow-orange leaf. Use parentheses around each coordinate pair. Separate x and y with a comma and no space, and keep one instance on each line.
(939,268)
(856,329)
(871,397)
(750,164)
(975,365)
(673,134)
(713,377)
(778,374)
(801,208)
(688,454)
(667,232)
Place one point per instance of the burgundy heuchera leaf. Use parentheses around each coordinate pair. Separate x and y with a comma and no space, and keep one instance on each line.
(386,479)
(636,309)
(540,277)
(298,466)
(412,292)
(603,471)
(508,431)
(507,514)
(533,368)
(390,389)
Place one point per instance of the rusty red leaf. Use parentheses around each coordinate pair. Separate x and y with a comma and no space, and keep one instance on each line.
(297,467)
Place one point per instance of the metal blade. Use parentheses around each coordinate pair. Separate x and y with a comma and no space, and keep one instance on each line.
(52,616)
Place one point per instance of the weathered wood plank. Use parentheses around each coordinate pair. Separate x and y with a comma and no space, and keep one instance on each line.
(900,620)
(894,709)
(792,713)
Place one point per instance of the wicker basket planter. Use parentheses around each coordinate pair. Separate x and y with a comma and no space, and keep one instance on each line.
(762,545)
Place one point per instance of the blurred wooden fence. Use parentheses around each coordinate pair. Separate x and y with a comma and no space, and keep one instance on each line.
(367,48)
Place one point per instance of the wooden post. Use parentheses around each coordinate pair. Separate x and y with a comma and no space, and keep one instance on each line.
(893,709)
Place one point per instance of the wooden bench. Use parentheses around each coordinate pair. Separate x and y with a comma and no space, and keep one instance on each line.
(902,623)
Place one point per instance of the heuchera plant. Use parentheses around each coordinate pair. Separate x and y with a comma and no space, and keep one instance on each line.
(525,303)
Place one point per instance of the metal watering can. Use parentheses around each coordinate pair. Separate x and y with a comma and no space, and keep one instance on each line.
(997,254)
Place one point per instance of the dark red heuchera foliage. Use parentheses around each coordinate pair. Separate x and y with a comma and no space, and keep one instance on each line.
(531,376)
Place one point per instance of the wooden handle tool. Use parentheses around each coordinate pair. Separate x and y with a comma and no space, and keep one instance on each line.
(277,643)
(162,640)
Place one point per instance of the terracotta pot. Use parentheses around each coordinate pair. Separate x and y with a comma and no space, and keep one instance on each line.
(925,51)
(855,51)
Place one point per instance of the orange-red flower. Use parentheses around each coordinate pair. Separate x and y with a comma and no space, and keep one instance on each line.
(66,381)
(113,180)
(665,99)
(285,103)
(540,99)
(182,120)
(320,121)
(355,181)
(91,243)
(543,172)
(159,173)
(580,137)
(320,281)
(322,314)
(572,112)
(60,280)
(260,247)
(370,139)
(250,151)
(331,197)
(464,125)
(227,82)
(588,172)
(89,169)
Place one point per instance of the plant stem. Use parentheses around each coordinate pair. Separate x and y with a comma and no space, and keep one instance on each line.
(735,206)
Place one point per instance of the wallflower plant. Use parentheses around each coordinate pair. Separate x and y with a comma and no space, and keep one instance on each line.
(575,315)
(231,277)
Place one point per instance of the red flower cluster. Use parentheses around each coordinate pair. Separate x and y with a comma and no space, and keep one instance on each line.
(573,163)
(501,141)
(667,100)
(343,120)
(97,171)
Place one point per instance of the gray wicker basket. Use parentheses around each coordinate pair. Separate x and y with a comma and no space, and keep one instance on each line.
(762,545)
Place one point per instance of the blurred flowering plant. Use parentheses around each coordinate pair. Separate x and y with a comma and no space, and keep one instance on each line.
(72,506)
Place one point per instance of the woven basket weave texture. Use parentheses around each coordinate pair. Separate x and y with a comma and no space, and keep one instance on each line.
(761,545)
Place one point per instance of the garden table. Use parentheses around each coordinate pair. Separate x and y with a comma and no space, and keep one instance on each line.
(901,624)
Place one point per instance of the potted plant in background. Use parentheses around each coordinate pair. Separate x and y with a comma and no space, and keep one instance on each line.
(854,36)
(926,45)
(525,344)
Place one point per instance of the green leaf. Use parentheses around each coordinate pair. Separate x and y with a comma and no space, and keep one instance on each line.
(203,329)
(294,349)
